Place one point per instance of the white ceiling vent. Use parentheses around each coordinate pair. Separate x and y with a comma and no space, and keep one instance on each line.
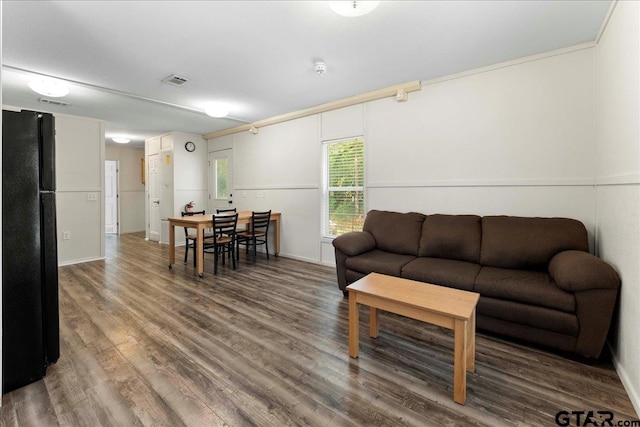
(54,102)
(175,80)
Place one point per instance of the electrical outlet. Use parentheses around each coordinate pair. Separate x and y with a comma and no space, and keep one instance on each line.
(260,194)
(66,235)
(92,197)
(243,194)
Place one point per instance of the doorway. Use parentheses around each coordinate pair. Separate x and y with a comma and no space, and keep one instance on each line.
(220,180)
(154,197)
(111,197)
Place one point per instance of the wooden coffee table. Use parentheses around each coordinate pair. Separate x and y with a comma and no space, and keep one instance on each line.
(450,308)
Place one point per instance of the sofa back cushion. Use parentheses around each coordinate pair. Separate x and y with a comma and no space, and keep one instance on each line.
(454,237)
(528,243)
(395,232)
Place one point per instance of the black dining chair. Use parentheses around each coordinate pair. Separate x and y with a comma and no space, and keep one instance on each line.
(191,237)
(257,234)
(224,239)
(226,211)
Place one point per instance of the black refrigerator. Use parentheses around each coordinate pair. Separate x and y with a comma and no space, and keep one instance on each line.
(30,325)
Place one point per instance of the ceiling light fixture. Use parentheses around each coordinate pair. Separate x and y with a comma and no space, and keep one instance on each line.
(120,140)
(217,110)
(49,87)
(353,8)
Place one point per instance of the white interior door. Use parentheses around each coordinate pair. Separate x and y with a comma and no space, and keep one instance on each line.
(220,180)
(111,196)
(154,198)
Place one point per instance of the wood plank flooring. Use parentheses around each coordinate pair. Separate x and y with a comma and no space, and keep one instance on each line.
(267,345)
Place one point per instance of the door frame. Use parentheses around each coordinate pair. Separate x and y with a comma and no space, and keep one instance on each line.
(117,163)
(212,202)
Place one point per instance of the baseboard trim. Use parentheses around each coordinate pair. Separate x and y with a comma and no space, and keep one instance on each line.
(298,258)
(80,261)
(634,395)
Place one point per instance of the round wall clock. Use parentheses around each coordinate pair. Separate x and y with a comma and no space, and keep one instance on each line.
(190,146)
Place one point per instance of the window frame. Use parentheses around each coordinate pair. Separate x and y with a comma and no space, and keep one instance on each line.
(325,214)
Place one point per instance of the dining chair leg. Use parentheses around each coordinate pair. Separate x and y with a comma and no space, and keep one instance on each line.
(233,258)
(215,261)
(186,251)
(255,250)
(195,247)
(266,246)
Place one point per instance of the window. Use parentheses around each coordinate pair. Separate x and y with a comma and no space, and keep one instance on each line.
(221,178)
(343,187)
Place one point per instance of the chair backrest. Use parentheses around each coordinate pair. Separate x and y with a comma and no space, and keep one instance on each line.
(260,220)
(183,214)
(226,210)
(224,225)
(192,213)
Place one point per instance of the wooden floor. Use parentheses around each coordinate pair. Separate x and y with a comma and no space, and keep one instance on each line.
(267,345)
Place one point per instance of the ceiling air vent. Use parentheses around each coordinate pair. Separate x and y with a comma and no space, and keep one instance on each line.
(175,80)
(54,102)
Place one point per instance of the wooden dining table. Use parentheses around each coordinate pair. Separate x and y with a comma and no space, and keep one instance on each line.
(201,223)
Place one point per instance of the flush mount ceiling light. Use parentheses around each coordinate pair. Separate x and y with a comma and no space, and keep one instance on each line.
(49,87)
(120,140)
(217,110)
(353,8)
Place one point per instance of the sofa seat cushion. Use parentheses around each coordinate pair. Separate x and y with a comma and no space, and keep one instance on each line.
(530,287)
(529,315)
(445,272)
(379,261)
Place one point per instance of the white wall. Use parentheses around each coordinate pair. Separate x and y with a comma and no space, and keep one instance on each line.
(131,189)
(190,172)
(281,163)
(79,174)
(618,177)
(516,139)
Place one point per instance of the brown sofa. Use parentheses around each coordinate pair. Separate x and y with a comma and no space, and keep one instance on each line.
(536,279)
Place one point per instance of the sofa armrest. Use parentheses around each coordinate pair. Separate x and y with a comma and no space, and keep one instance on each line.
(575,271)
(354,243)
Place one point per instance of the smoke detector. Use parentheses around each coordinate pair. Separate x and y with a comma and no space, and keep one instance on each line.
(175,80)
(320,68)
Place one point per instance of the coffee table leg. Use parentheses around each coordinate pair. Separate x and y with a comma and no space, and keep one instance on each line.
(373,322)
(460,361)
(354,339)
(471,343)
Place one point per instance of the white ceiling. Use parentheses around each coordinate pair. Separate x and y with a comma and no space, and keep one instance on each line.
(259,56)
